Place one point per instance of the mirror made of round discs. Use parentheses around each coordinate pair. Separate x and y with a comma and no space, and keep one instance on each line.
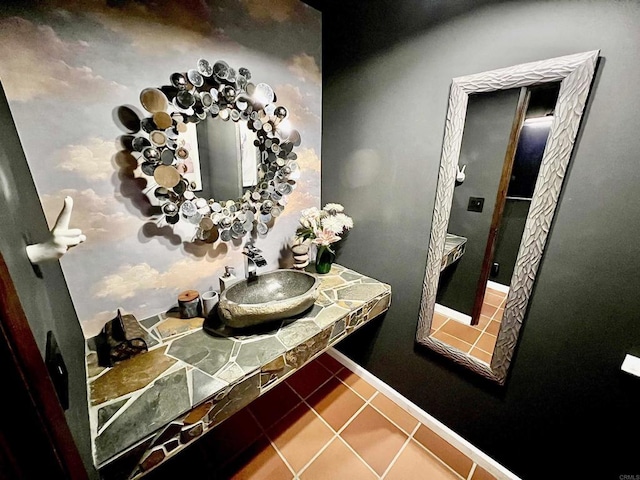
(215,90)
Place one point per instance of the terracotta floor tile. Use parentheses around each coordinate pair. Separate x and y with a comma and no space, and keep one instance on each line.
(300,435)
(414,463)
(452,341)
(330,363)
(259,462)
(493,328)
(393,411)
(498,315)
(337,462)
(481,474)
(438,320)
(488,310)
(374,438)
(274,404)
(486,342)
(465,333)
(493,299)
(306,380)
(335,402)
(495,292)
(357,383)
(444,450)
(484,321)
(481,355)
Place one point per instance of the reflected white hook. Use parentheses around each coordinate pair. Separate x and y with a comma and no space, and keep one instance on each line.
(62,237)
(460,176)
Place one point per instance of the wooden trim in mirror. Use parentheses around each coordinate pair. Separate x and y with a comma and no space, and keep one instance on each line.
(575,72)
(501,197)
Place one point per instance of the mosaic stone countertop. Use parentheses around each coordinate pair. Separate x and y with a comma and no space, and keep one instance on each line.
(454,247)
(199,372)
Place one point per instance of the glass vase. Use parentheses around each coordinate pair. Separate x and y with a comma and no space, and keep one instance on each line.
(324,259)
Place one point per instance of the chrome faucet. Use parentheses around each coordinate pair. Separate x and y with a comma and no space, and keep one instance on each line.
(253,260)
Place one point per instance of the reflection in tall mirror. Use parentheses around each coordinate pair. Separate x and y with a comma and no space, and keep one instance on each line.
(511,131)
(504,138)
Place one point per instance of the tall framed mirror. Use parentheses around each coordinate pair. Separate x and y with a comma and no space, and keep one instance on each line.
(509,136)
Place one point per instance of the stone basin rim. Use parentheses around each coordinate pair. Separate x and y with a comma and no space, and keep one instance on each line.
(314,287)
(237,314)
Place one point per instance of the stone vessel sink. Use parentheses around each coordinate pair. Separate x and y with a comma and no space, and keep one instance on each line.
(270,296)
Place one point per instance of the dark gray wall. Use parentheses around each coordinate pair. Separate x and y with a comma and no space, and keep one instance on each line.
(485,140)
(45,298)
(387,70)
(512,224)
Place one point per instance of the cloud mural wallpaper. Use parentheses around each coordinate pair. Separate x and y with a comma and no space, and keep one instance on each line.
(67,66)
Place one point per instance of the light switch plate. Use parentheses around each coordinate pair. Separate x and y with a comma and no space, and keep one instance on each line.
(475,204)
(631,364)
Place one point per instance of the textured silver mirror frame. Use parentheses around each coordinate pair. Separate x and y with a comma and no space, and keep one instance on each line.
(576,74)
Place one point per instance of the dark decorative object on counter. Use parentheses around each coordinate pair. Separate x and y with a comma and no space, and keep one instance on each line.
(120,339)
(189,304)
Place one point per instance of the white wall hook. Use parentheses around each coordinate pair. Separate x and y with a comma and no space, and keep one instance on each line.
(460,176)
(62,238)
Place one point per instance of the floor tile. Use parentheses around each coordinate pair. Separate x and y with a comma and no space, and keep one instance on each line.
(337,462)
(395,413)
(444,450)
(452,341)
(488,310)
(335,402)
(357,383)
(259,462)
(306,380)
(414,463)
(483,322)
(493,328)
(330,363)
(300,435)
(466,333)
(496,292)
(374,438)
(274,404)
(481,474)
(481,355)
(486,342)
(493,299)
(438,320)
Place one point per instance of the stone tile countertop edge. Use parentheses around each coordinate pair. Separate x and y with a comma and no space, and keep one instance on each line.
(187,369)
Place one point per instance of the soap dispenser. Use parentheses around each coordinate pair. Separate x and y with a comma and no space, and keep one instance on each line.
(227,279)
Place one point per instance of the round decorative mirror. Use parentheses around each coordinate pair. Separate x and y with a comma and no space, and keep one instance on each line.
(218,153)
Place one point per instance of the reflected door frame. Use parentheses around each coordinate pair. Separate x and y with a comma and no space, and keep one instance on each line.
(501,198)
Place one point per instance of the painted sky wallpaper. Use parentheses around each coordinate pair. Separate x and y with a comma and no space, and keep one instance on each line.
(69,66)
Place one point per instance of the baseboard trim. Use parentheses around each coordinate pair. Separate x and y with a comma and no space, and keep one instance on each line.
(445,432)
(498,286)
(453,314)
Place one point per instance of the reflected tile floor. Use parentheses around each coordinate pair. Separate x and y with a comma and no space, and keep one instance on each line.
(324,422)
(476,340)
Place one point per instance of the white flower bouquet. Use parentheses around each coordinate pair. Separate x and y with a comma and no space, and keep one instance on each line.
(324,227)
